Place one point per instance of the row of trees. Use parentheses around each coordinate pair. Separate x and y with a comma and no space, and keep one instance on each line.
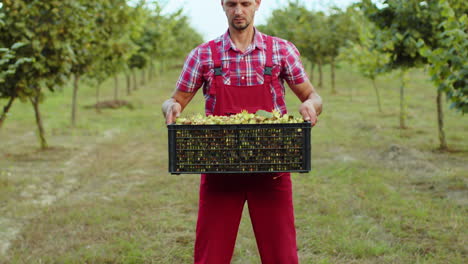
(433,34)
(46,43)
(317,35)
(380,38)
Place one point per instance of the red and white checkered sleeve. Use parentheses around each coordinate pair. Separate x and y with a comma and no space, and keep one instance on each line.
(292,68)
(191,77)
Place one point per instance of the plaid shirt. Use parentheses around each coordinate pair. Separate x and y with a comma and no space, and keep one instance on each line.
(241,68)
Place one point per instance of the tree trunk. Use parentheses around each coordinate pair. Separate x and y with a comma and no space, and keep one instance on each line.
(42,140)
(6,109)
(129,83)
(333,68)
(135,84)
(157,67)
(143,79)
(116,87)
(402,100)
(162,68)
(98,89)
(76,81)
(320,82)
(150,71)
(440,119)
(377,94)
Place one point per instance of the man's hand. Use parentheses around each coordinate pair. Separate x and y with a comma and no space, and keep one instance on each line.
(175,105)
(311,106)
(171,110)
(308,112)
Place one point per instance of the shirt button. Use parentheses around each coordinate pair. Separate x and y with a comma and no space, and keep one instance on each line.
(242,77)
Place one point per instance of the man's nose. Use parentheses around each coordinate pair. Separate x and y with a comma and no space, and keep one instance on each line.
(238,10)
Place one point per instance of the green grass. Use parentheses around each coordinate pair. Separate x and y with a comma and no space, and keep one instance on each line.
(102,193)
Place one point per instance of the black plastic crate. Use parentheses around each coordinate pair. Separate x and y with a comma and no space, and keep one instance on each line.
(239,148)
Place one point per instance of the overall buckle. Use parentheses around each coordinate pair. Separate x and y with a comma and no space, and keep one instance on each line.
(218,71)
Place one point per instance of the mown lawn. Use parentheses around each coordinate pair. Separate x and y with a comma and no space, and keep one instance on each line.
(102,194)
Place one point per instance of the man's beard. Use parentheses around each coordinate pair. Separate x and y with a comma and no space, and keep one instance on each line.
(240,27)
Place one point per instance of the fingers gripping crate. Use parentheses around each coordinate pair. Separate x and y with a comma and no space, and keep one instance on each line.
(240,148)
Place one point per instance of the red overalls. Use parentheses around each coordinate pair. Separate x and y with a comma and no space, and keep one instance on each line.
(222,196)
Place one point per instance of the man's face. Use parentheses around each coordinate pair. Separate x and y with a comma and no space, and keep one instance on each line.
(240,13)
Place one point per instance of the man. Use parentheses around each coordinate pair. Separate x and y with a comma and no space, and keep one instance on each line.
(244,69)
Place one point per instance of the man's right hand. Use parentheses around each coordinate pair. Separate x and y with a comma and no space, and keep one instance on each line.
(308,112)
(171,110)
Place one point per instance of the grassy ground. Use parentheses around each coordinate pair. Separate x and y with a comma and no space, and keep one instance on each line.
(102,194)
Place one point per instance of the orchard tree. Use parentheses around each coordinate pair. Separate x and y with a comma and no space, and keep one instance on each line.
(105,43)
(9,63)
(165,37)
(142,48)
(180,43)
(368,61)
(87,48)
(307,33)
(318,36)
(117,21)
(145,42)
(341,30)
(154,39)
(448,60)
(399,26)
(175,37)
(421,33)
(45,29)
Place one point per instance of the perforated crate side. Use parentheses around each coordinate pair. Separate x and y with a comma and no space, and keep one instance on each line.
(239,148)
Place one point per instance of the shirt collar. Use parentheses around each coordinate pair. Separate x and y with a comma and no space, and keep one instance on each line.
(257,43)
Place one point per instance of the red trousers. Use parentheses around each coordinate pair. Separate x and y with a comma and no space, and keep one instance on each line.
(270,204)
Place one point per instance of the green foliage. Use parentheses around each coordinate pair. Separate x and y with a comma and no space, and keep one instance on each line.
(399,26)
(183,37)
(370,62)
(141,55)
(9,62)
(96,38)
(418,33)
(173,35)
(41,32)
(341,30)
(43,42)
(162,37)
(317,35)
(449,59)
(308,33)
(116,24)
(88,46)
(119,23)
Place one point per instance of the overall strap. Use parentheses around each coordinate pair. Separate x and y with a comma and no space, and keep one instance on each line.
(218,68)
(269,79)
(267,72)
